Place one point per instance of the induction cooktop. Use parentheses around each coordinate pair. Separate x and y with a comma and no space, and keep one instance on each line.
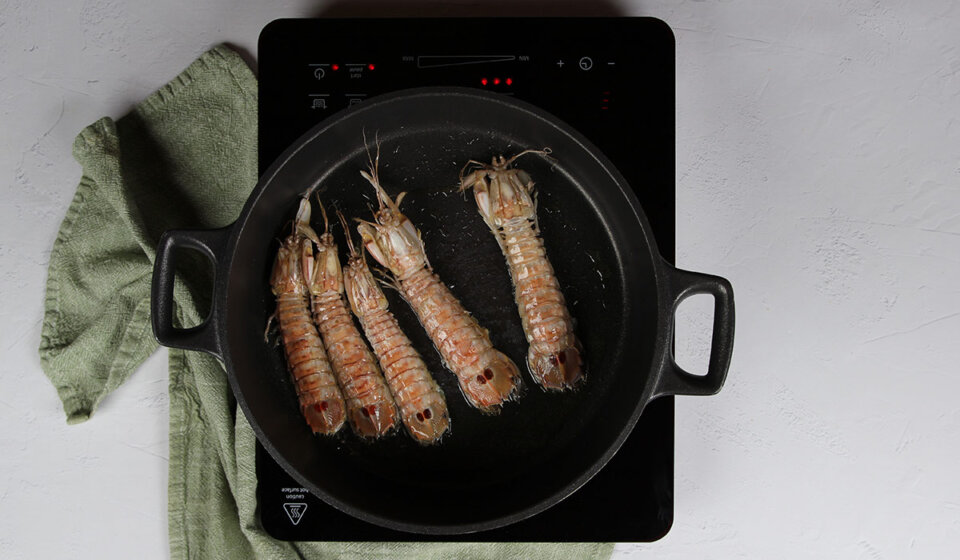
(610,78)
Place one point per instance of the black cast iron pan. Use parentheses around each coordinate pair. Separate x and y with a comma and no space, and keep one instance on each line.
(491,470)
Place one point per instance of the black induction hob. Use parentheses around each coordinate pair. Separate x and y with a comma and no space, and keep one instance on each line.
(610,78)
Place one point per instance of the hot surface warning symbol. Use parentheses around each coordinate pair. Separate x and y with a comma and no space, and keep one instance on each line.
(295,511)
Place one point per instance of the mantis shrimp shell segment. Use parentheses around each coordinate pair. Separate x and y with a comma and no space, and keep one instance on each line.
(487,377)
(370,407)
(505,199)
(321,402)
(423,407)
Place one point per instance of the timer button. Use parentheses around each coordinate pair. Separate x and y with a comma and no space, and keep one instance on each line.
(586,63)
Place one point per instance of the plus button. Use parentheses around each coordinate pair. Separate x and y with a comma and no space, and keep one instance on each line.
(560,63)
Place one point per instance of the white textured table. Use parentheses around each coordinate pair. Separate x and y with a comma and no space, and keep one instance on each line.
(818,168)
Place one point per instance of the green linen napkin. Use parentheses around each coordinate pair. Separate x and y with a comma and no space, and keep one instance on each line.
(183,158)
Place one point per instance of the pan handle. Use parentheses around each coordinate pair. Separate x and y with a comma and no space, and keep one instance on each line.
(211,243)
(674,380)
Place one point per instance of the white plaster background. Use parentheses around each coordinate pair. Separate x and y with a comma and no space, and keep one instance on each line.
(818,168)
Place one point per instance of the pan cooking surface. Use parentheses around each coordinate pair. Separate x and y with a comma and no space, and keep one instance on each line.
(466,256)
(539,443)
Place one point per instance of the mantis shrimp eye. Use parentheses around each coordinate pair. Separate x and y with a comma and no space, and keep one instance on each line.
(427,414)
(488,373)
(481,379)
(420,416)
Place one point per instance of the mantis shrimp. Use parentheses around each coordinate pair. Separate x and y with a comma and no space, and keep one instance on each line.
(370,407)
(320,399)
(423,407)
(487,377)
(505,199)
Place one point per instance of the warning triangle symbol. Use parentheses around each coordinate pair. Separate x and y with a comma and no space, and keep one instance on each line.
(295,511)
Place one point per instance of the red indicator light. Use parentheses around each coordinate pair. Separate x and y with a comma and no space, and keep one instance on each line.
(496,81)
(484,81)
(335,67)
(371,67)
(509,81)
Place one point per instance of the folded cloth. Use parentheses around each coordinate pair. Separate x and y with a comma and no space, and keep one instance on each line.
(183,158)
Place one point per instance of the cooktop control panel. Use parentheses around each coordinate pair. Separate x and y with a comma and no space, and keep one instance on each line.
(612,79)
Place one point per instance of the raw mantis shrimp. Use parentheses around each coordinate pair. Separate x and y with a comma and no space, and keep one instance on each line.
(423,408)
(487,377)
(370,407)
(505,199)
(320,399)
